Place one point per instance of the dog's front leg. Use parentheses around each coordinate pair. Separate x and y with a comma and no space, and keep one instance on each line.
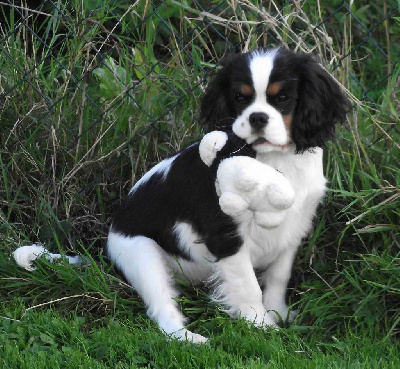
(275,280)
(239,291)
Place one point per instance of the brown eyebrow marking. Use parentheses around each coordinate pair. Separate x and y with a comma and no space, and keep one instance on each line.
(274,88)
(246,90)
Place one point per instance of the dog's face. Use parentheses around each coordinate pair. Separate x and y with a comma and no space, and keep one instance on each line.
(264,104)
(273,98)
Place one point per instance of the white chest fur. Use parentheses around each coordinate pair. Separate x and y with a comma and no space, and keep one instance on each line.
(305,173)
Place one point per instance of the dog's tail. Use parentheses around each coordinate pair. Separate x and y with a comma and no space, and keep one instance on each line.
(26,255)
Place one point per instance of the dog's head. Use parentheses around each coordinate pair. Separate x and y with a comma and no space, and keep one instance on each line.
(273,98)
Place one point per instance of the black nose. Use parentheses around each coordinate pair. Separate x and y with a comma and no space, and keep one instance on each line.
(258,120)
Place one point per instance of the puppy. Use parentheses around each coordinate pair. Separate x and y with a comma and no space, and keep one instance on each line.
(284,106)
(279,108)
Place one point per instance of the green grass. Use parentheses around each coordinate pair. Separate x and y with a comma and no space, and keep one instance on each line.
(87,317)
(76,132)
(47,339)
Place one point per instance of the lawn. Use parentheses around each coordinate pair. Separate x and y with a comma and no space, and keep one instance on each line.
(92,94)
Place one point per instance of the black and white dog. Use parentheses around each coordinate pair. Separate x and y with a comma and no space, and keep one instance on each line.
(275,106)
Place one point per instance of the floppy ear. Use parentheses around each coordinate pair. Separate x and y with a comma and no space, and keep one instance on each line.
(215,110)
(320,106)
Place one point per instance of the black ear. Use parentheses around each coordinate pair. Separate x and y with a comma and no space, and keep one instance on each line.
(320,106)
(215,110)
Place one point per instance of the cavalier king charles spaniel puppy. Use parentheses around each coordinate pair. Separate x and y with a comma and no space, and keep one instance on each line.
(274,108)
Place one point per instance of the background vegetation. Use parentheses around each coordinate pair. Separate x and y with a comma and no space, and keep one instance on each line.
(93,93)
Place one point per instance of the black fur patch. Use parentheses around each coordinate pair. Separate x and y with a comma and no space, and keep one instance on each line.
(186,194)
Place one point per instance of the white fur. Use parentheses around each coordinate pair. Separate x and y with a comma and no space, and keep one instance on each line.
(189,242)
(26,255)
(238,289)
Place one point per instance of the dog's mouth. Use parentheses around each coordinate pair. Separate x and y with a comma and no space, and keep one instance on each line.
(261,141)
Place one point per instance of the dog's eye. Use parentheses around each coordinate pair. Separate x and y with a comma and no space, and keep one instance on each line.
(282,98)
(240,98)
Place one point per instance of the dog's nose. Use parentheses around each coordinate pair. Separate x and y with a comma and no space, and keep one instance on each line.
(258,120)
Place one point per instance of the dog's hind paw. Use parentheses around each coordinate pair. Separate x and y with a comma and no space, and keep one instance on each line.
(186,335)
(284,315)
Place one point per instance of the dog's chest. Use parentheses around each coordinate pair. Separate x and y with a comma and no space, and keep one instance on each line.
(305,173)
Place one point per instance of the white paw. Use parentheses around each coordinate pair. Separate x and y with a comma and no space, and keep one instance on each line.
(291,316)
(210,144)
(258,317)
(186,335)
(25,255)
(285,314)
(264,322)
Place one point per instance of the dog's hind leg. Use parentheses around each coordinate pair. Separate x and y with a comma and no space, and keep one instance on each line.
(144,264)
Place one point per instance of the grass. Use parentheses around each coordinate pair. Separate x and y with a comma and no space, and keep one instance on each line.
(88,103)
(96,321)
(47,338)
